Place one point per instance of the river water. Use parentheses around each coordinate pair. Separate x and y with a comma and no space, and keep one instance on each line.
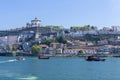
(55,68)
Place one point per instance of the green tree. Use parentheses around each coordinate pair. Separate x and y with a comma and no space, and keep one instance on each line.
(82,28)
(90,37)
(61,39)
(10,47)
(55,28)
(81,52)
(35,49)
(47,41)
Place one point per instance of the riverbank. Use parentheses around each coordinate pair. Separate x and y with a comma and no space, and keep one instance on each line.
(82,55)
(56,55)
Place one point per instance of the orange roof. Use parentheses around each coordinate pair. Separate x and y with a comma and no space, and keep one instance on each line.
(43,46)
(55,43)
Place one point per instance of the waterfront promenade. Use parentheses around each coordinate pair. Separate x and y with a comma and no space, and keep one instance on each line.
(13,53)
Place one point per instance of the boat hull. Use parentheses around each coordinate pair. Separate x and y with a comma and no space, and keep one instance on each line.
(94,58)
(43,57)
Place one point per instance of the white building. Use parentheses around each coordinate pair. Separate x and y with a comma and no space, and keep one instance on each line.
(34,23)
(82,33)
(71,51)
(59,51)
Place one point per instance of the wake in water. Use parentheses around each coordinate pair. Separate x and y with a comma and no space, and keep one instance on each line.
(7,61)
(29,78)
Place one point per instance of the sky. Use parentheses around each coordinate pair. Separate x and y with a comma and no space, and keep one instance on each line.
(67,13)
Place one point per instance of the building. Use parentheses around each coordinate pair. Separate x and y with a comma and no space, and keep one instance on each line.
(57,45)
(6,40)
(59,51)
(36,26)
(52,50)
(71,51)
(44,49)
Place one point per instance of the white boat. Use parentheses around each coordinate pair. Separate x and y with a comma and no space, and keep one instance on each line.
(20,58)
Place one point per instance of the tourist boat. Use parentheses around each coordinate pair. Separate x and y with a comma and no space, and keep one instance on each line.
(94,58)
(20,58)
(41,56)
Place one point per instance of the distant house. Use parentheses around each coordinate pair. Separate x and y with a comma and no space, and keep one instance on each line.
(71,51)
(90,43)
(86,50)
(106,49)
(44,49)
(59,51)
(26,36)
(11,39)
(90,51)
(52,50)
(102,42)
(56,45)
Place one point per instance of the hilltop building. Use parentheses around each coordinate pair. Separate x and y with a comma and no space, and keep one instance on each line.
(36,26)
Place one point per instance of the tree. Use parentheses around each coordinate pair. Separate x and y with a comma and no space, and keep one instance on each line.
(90,37)
(81,52)
(55,28)
(35,49)
(10,47)
(61,39)
(81,28)
(47,42)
